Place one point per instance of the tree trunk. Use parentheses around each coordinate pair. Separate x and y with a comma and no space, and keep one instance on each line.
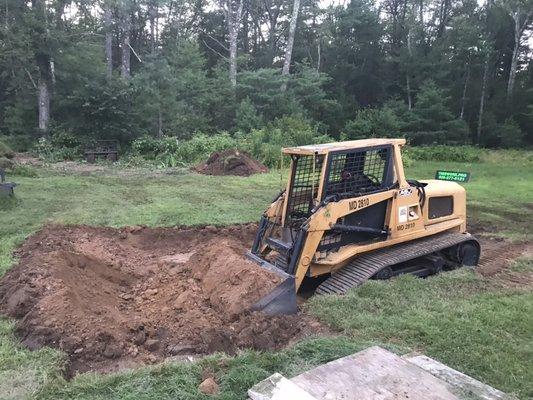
(151,16)
(443,17)
(518,31)
(408,72)
(290,42)
(159,122)
(43,60)
(514,59)
(408,87)
(233,56)
(157,24)
(485,79)
(126,51)
(6,15)
(246,31)
(319,56)
(108,27)
(421,21)
(482,98)
(273,15)
(233,19)
(44,103)
(465,87)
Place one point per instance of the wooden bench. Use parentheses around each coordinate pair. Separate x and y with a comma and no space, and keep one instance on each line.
(106,149)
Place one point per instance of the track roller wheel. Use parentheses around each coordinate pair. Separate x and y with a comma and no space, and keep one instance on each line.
(468,253)
(436,263)
(385,273)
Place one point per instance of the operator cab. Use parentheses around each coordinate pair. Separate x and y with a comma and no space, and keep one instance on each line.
(334,171)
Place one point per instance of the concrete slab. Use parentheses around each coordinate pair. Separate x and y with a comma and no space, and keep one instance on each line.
(377,374)
(463,385)
(277,387)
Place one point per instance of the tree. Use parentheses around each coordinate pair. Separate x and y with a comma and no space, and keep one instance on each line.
(125,24)
(360,61)
(371,122)
(43,59)
(486,66)
(232,10)
(521,11)
(290,43)
(108,28)
(432,121)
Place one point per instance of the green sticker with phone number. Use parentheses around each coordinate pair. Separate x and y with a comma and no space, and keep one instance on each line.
(454,176)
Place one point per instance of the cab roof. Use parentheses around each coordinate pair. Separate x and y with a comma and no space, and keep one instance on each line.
(339,146)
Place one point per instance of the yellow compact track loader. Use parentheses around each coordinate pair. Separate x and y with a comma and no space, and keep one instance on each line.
(348,214)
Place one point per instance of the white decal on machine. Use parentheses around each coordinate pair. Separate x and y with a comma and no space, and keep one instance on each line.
(406,192)
(402,214)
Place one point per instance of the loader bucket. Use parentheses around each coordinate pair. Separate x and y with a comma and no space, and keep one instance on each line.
(282,299)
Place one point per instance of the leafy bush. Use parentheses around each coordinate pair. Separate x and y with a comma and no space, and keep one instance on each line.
(5,151)
(468,154)
(374,123)
(26,171)
(170,152)
(6,163)
(510,133)
(200,147)
(46,150)
(134,161)
(246,117)
(150,147)
(426,138)
(169,160)
(407,159)
(18,143)
(63,145)
(265,144)
(61,138)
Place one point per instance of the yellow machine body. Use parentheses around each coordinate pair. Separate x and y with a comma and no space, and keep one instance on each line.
(355,195)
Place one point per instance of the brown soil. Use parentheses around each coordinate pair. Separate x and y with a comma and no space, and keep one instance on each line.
(230,162)
(27,159)
(113,298)
(497,256)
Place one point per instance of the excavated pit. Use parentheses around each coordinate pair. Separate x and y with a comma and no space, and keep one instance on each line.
(115,298)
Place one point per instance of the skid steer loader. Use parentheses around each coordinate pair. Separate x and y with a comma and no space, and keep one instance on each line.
(348,214)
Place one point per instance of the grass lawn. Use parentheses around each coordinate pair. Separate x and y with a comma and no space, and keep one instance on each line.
(457,318)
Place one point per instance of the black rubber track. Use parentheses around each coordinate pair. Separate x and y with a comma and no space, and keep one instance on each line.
(365,266)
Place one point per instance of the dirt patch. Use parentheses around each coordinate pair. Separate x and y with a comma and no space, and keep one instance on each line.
(113,298)
(497,257)
(27,159)
(230,162)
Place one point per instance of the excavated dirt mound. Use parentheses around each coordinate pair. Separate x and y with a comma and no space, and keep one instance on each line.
(230,162)
(113,298)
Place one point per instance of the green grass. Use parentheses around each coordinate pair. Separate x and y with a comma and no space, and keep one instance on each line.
(133,199)
(179,381)
(456,318)
(23,372)
(498,194)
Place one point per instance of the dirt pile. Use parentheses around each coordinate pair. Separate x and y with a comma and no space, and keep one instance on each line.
(230,162)
(112,298)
